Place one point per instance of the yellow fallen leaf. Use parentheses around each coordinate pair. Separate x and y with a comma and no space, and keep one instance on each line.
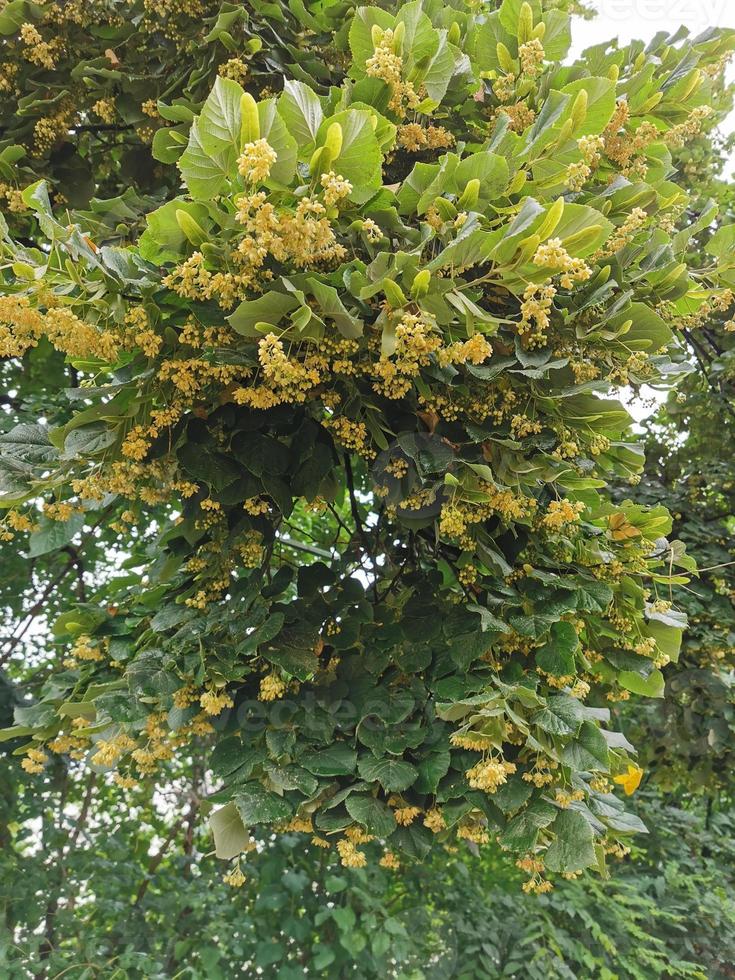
(630,780)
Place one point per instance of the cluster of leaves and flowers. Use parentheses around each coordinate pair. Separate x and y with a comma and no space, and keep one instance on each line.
(359,375)
(93,92)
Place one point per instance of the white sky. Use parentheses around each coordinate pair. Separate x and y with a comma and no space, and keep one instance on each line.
(641,19)
(630,19)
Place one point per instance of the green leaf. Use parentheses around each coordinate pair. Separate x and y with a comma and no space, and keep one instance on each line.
(510,10)
(360,159)
(274,129)
(432,770)
(556,656)
(650,687)
(205,174)
(370,813)
(558,36)
(360,36)
(588,752)
(230,835)
(394,775)
(163,240)
(577,218)
(256,805)
(168,144)
(573,848)
(332,307)
(13,15)
(522,831)
(337,760)
(53,535)
(668,639)
(271,307)
(219,122)
(302,112)
(601,103)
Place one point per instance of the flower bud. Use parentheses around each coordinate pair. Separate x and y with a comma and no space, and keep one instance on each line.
(249,120)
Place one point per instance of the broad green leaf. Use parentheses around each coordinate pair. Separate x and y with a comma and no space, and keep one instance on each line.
(163,240)
(274,129)
(556,656)
(601,103)
(332,307)
(256,805)
(588,751)
(219,122)
(573,847)
(360,36)
(372,814)
(230,835)
(53,535)
(271,307)
(510,11)
(205,174)
(337,760)
(394,775)
(649,687)
(302,112)
(360,159)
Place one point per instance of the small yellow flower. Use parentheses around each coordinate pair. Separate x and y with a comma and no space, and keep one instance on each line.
(630,780)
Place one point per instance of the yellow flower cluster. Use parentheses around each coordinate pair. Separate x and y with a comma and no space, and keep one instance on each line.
(256,160)
(14,521)
(388,66)
(553,255)
(435,821)
(537,886)
(37,51)
(405,815)
(272,688)
(532,54)
(504,87)
(415,138)
(285,379)
(13,198)
(234,68)
(214,702)
(692,126)
(489,774)
(476,350)
(84,649)
(193,280)
(564,798)
(475,743)
(539,776)
(109,751)
(350,855)
(235,877)
(535,314)
(415,341)
(625,233)
(21,327)
(105,109)
(352,435)
(336,188)
(520,116)
(474,832)
(390,860)
(578,173)
(8,74)
(561,513)
(303,237)
(33,761)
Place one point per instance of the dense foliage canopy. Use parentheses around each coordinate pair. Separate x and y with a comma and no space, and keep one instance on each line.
(314,461)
